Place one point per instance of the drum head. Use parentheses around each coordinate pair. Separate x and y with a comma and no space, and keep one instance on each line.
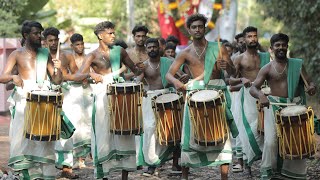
(124,84)
(204,96)
(293,110)
(44,93)
(266,90)
(165,98)
(124,88)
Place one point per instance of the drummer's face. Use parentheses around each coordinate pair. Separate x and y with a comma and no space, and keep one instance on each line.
(140,38)
(108,36)
(152,49)
(197,29)
(52,42)
(280,49)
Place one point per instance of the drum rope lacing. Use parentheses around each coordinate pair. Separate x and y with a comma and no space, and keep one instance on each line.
(309,144)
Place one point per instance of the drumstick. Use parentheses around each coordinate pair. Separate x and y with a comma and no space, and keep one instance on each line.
(304,80)
(57,56)
(283,104)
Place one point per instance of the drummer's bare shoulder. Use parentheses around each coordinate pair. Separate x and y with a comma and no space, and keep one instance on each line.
(185,55)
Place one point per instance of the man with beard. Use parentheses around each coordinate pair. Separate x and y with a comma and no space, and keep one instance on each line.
(247,66)
(206,60)
(30,159)
(284,78)
(156,68)
(138,53)
(110,152)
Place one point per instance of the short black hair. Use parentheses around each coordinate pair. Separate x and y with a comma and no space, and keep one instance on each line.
(173,39)
(227,44)
(76,37)
(120,42)
(240,35)
(162,41)
(278,37)
(152,40)
(102,26)
(139,28)
(249,29)
(196,17)
(170,46)
(26,28)
(51,31)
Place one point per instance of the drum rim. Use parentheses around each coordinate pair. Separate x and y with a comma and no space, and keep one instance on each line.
(196,91)
(44,98)
(154,98)
(111,88)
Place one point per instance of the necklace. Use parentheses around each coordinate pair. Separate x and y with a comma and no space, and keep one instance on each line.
(152,67)
(205,47)
(285,67)
(137,54)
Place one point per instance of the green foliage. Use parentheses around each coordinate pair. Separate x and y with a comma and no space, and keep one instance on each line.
(14,12)
(9,10)
(300,23)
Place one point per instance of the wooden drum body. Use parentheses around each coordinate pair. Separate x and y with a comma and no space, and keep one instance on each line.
(208,118)
(260,128)
(295,129)
(125,108)
(42,120)
(168,110)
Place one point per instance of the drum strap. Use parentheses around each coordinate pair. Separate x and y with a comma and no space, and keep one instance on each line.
(42,60)
(165,64)
(115,53)
(293,78)
(264,58)
(210,60)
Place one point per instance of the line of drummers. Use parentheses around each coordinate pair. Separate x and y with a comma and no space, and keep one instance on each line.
(212,102)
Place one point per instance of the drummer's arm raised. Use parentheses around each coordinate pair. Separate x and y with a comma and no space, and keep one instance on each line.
(174,69)
(56,76)
(137,69)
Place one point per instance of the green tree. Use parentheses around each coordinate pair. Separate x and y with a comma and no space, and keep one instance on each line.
(300,23)
(14,12)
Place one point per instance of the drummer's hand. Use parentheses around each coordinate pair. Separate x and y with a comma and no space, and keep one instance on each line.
(184,78)
(140,66)
(246,82)
(17,80)
(311,90)
(179,86)
(96,77)
(56,63)
(264,101)
(222,64)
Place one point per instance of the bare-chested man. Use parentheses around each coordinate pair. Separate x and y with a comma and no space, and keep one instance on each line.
(106,61)
(247,66)
(30,159)
(77,46)
(138,53)
(64,148)
(240,46)
(284,79)
(207,70)
(156,68)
